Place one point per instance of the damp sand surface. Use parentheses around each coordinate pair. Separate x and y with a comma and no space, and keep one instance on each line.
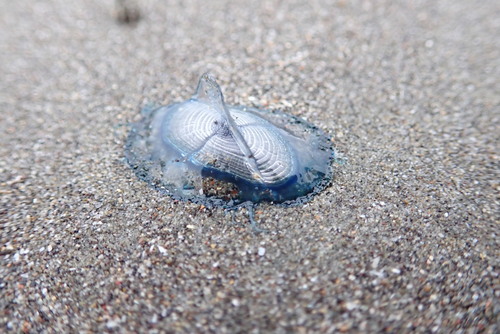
(404,240)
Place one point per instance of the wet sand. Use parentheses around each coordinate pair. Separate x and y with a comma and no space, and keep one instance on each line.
(404,240)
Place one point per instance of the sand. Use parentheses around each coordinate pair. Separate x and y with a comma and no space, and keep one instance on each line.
(404,240)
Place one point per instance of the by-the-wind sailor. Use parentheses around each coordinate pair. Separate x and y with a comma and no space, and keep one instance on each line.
(206,151)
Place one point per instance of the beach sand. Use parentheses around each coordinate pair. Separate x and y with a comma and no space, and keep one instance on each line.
(404,240)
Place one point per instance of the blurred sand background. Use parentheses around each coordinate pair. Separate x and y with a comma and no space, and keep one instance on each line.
(404,240)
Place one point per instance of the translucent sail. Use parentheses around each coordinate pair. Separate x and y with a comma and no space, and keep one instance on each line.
(209,91)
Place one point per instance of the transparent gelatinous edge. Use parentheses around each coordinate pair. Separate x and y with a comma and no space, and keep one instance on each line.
(144,161)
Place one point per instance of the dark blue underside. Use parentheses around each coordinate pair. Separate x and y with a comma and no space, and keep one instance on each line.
(287,190)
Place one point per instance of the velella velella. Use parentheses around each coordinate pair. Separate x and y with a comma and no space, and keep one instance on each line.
(207,152)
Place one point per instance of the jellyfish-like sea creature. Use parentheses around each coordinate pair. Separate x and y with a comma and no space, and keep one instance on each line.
(207,152)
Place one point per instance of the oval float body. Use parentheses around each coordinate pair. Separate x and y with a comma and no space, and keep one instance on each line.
(208,152)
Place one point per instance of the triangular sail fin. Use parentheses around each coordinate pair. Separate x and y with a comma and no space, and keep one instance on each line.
(208,91)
